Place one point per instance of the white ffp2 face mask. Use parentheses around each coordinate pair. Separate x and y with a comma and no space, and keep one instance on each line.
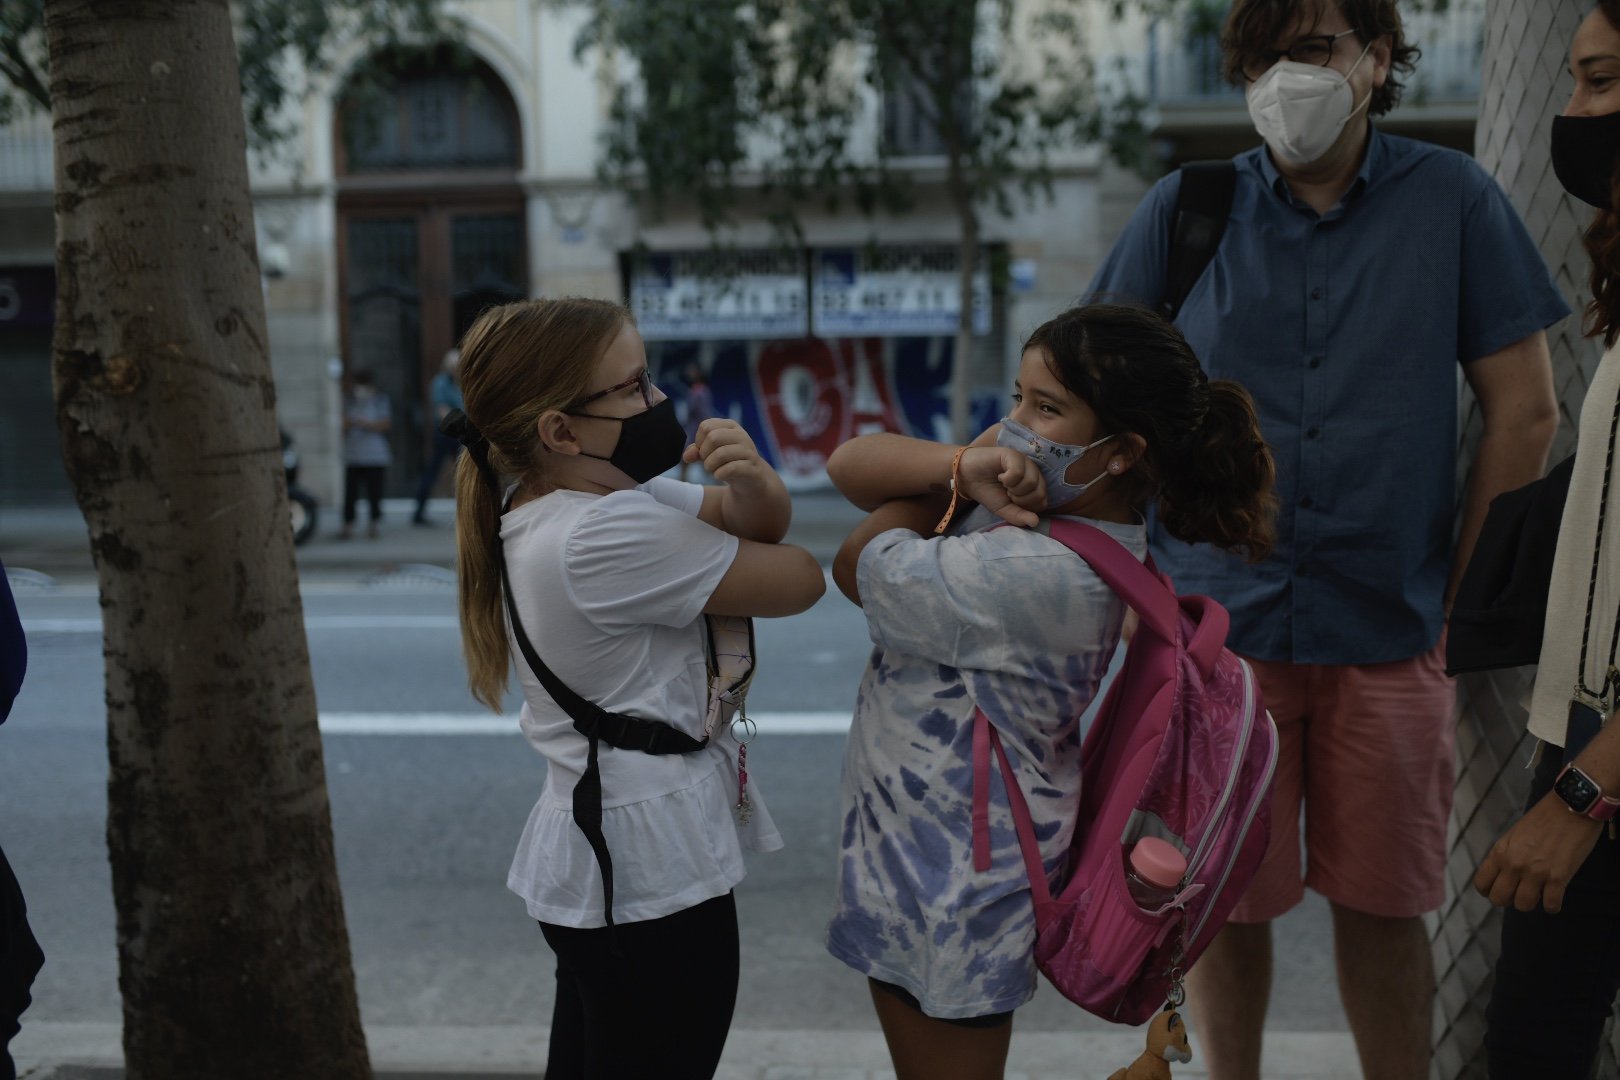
(1300,109)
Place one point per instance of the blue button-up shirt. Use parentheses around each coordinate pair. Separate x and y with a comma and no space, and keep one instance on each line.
(1348,328)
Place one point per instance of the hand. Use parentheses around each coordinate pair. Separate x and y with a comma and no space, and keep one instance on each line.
(729,455)
(1001,479)
(1534,860)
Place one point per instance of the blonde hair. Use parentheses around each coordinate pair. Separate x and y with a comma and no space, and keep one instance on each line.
(517,361)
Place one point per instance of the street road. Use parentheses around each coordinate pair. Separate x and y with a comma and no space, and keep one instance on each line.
(426,822)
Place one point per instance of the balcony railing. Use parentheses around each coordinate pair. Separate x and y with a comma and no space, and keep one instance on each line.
(1185,69)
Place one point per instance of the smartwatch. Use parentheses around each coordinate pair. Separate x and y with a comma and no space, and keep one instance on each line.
(1583,795)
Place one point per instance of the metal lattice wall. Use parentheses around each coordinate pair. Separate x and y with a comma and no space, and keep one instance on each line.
(1524,86)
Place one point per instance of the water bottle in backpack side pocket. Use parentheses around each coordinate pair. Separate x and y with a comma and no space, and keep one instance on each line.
(1153,871)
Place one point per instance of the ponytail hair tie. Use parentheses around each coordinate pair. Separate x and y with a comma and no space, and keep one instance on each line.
(457,425)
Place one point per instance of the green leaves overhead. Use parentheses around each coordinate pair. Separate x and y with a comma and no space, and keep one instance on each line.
(283,48)
(789,100)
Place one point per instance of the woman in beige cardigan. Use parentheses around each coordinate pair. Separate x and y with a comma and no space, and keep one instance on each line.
(1558,869)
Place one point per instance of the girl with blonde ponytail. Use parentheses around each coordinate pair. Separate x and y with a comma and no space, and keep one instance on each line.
(578,556)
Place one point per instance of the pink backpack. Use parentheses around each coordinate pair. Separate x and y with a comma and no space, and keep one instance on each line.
(1181,749)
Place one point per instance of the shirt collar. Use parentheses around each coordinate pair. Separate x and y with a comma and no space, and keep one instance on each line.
(1370,163)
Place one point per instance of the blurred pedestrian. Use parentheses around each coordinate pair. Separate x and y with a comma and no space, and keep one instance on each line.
(446,395)
(699,407)
(20,955)
(1556,870)
(604,575)
(367,420)
(1359,270)
(1110,414)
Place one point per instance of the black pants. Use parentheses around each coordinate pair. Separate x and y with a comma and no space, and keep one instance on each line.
(20,961)
(366,480)
(660,1008)
(1557,976)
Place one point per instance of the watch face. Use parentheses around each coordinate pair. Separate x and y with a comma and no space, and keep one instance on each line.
(1576,790)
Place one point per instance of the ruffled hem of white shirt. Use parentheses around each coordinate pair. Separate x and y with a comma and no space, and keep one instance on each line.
(669,853)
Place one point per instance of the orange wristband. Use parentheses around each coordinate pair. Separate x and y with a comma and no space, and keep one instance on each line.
(956,471)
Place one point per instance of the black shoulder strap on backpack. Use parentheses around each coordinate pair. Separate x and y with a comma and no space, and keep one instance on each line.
(596,724)
(1202,207)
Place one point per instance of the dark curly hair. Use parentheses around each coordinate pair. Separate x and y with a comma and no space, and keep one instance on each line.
(1253,27)
(1205,461)
(1602,241)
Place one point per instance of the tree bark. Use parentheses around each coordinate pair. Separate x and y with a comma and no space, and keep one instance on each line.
(233,952)
(1523,88)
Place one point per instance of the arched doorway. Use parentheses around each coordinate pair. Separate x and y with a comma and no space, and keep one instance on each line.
(430,223)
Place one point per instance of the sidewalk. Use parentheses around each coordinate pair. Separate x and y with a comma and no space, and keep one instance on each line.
(499,1053)
(54,540)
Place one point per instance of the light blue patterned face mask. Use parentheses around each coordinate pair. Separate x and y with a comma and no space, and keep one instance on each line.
(1053,459)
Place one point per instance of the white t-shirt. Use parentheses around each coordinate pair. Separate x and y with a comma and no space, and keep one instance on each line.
(611,589)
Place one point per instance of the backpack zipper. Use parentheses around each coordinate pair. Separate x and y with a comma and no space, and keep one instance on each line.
(1205,842)
(1248,822)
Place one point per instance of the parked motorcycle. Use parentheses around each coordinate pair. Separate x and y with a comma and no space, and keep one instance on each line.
(300,502)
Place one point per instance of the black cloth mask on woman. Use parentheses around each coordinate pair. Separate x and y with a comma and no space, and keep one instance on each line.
(650,442)
(1584,153)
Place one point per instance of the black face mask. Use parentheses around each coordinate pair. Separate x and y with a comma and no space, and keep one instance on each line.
(650,442)
(1584,151)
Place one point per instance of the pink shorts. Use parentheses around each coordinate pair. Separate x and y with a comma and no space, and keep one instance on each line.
(1366,751)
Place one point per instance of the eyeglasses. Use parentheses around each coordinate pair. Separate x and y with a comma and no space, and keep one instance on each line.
(1314,49)
(642,380)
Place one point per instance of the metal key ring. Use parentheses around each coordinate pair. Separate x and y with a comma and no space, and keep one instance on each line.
(750,729)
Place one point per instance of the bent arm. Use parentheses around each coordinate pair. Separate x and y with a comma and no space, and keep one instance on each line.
(768,580)
(1520,411)
(919,514)
(869,470)
(760,510)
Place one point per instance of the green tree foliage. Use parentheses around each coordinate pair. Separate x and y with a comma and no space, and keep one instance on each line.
(283,48)
(703,87)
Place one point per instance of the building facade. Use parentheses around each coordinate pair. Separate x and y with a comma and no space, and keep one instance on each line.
(384,227)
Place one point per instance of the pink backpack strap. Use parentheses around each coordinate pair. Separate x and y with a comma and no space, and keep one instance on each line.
(1146,592)
(986,738)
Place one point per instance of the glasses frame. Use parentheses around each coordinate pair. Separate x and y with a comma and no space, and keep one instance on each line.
(642,377)
(1273,57)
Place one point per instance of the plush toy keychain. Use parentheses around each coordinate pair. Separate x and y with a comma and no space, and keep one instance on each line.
(1166,1042)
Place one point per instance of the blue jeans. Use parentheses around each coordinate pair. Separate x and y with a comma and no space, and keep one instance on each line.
(1557,975)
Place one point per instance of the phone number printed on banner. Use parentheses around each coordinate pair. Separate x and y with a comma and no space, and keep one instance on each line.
(695,295)
(898,291)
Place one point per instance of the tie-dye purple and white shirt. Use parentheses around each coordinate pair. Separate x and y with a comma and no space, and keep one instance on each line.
(1014,621)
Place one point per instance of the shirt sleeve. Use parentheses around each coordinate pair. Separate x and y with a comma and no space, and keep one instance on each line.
(633,560)
(1135,267)
(930,598)
(1507,293)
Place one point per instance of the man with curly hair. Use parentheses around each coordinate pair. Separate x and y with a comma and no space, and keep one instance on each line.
(1358,274)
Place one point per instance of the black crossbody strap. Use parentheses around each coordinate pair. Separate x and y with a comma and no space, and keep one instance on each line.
(1591,589)
(597,725)
(1203,205)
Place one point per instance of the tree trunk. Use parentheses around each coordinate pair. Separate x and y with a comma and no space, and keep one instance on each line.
(962,360)
(1523,88)
(233,953)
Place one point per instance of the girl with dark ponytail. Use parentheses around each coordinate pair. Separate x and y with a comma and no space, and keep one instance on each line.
(1111,414)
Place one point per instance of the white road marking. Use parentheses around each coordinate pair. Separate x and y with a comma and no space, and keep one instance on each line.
(311,622)
(336,723)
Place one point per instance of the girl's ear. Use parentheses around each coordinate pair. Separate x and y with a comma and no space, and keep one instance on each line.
(1128,450)
(556,433)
